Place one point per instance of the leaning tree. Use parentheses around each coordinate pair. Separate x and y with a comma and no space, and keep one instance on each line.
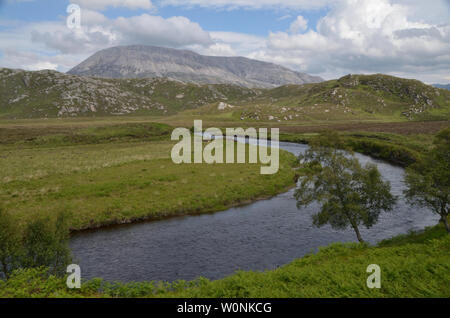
(428,180)
(349,194)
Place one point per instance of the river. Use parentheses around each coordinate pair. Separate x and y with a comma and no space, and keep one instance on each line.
(260,236)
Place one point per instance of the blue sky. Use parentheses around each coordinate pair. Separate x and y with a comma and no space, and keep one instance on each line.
(329,38)
(258,22)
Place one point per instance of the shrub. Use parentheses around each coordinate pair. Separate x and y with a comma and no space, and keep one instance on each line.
(42,243)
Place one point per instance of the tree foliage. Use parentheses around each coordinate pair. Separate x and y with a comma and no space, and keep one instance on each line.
(42,243)
(349,194)
(428,181)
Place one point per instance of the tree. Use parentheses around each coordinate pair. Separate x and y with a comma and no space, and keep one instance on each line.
(42,243)
(10,244)
(428,181)
(349,194)
(46,244)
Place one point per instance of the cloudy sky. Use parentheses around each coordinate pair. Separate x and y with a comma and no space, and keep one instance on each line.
(329,38)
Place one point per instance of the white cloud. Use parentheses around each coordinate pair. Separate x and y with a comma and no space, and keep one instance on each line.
(217,49)
(143,29)
(13,58)
(366,37)
(355,36)
(39,42)
(43,66)
(299,25)
(103,4)
(155,30)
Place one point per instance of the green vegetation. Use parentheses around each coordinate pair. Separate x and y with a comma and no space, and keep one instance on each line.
(402,150)
(50,94)
(110,170)
(47,94)
(413,265)
(41,243)
(428,180)
(122,173)
(352,97)
(350,194)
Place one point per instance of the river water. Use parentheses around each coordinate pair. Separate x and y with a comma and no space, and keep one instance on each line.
(260,236)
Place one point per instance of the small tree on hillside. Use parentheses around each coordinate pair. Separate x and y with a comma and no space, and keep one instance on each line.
(428,181)
(350,194)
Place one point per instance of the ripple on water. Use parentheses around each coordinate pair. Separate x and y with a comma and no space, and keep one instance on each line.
(259,236)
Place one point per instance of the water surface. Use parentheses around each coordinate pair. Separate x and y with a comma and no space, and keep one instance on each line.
(258,236)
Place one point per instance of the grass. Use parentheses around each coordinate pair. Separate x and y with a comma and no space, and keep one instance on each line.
(122,173)
(378,97)
(118,170)
(413,265)
(402,150)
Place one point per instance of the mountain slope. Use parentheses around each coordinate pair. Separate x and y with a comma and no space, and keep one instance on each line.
(41,94)
(352,97)
(148,61)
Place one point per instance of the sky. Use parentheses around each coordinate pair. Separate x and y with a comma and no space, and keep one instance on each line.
(328,38)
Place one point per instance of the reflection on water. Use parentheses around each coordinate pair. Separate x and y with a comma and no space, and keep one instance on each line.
(259,236)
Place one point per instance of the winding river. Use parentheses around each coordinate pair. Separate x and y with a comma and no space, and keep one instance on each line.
(259,236)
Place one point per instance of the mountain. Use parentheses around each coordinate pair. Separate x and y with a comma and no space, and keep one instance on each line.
(444,86)
(41,94)
(139,61)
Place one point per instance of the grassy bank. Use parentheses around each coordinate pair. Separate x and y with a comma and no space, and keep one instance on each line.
(413,265)
(402,150)
(114,174)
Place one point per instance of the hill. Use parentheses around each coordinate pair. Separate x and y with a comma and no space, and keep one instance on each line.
(352,97)
(42,94)
(47,94)
(140,61)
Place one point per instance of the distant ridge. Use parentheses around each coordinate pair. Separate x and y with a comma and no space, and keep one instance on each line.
(138,61)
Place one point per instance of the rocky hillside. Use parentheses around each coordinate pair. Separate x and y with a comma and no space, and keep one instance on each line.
(352,97)
(42,94)
(151,62)
(47,93)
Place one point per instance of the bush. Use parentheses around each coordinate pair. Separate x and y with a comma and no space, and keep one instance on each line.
(42,243)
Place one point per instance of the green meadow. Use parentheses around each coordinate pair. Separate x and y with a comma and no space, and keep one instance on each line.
(121,173)
(108,171)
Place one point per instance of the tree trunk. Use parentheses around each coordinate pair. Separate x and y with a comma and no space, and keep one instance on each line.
(444,220)
(358,235)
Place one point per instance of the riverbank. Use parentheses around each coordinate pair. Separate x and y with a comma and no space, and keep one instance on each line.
(336,271)
(110,175)
(412,265)
(400,150)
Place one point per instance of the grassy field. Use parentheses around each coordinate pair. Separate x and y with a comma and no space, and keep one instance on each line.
(114,170)
(413,265)
(111,174)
